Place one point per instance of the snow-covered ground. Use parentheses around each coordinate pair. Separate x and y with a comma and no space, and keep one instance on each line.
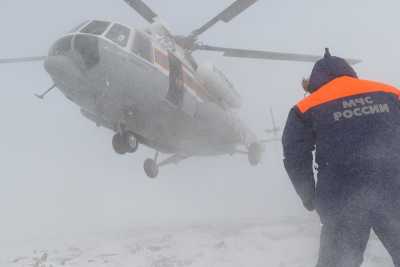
(288,242)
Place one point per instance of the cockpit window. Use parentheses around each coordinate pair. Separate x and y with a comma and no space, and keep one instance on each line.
(88,48)
(96,27)
(119,34)
(62,46)
(78,27)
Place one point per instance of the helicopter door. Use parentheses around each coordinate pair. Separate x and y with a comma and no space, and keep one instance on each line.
(142,46)
(176,91)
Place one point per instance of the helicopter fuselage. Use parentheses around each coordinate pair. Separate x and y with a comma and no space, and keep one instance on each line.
(121,80)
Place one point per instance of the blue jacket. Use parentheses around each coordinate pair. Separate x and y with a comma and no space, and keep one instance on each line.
(353,127)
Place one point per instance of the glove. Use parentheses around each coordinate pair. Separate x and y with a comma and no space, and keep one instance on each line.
(305,84)
(309,205)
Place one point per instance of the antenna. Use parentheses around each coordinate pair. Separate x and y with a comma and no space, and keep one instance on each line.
(327,53)
(43,95)
(274,131)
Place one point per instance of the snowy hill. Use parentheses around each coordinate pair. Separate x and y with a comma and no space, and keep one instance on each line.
(287,242)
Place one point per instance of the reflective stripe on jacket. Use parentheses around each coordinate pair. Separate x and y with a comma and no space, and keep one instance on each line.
(351,124)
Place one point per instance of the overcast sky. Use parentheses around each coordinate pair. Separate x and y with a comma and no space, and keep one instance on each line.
(58,171)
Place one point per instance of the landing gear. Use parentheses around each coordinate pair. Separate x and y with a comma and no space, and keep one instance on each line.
(255,154)
(124,143)
(151,168)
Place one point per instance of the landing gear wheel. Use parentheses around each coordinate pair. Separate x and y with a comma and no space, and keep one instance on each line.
(119,144)
(125,143)
(255,154)
(151,168)
(131,142)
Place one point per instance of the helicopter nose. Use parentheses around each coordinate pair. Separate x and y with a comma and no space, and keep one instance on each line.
(61,67)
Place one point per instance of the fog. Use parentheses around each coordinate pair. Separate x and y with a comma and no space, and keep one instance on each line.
(59,174)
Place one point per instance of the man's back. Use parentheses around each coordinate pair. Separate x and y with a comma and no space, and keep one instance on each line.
(354,128)
(355,121)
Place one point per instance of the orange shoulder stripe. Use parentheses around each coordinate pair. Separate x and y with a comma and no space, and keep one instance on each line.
(343,87)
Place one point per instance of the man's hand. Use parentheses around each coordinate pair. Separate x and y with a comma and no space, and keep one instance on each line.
(309,205)
(305,84)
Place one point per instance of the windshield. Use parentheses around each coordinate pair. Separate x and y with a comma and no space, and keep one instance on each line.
(96,27)
(76,28)
(119,34)
(62,46)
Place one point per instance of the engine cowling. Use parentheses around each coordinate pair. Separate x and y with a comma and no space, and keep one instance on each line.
(218,85)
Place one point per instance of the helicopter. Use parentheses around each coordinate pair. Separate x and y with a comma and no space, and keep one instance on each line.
(146,86)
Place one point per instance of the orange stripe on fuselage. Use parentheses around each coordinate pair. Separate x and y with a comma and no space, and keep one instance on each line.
(341,88)
(162,60)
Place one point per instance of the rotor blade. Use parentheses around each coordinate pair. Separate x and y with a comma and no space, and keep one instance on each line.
(272,140)
(226,16)
(21,60)
(144,10)
(257,54)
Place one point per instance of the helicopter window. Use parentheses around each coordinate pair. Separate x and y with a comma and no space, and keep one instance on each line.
(142,46)
(96,27)
(78,27)
(62,46)
(119,34)
(88,49)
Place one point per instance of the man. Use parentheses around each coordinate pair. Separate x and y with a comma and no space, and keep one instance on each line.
(353,127)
